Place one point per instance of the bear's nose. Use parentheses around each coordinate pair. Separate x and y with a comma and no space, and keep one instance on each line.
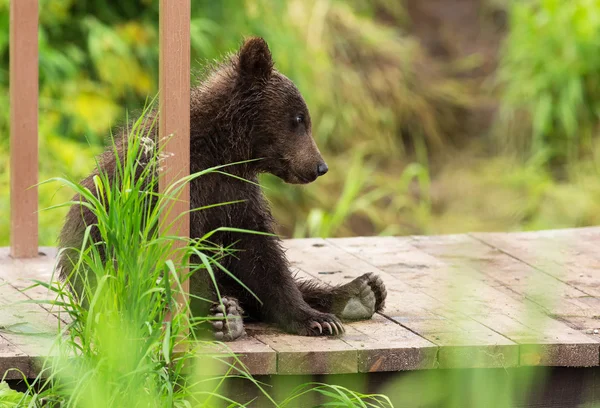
(322,169)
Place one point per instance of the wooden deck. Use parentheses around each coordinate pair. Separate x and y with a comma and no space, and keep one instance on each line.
(457,301)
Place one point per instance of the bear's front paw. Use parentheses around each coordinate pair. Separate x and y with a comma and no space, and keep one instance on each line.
(227,321)
(321,324)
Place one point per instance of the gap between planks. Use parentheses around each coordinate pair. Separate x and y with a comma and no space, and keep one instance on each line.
(515,312)
(411,308)
(419,262)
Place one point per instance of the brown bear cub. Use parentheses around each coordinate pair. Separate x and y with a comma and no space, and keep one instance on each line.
(245,109)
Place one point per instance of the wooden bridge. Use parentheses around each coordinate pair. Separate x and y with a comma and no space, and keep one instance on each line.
(457,301)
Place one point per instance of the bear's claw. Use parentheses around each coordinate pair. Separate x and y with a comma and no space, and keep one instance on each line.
(323,324)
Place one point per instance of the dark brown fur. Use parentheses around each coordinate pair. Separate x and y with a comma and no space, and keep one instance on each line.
(244,110)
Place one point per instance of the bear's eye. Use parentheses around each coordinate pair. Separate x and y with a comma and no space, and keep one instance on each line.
(300,119)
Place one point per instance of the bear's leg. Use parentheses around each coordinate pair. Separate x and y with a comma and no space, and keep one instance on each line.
(261,265)
(227,321)
(356,300)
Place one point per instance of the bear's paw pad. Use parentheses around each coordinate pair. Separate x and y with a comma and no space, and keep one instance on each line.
(365,295)
(227,321)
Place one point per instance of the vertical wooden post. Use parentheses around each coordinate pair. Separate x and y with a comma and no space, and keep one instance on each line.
(23,128)
(174,97)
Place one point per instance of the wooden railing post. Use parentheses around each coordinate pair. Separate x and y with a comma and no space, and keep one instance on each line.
(23,128)
(174,100)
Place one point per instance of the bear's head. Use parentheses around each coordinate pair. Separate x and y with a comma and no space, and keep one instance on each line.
(280,121)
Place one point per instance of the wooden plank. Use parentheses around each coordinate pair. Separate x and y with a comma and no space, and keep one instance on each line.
(14,363)
(23,128)
(579,248)
(384,345)
(567,266)
(589,235)
(21,273)
(314,355)
(570,258)
(451,296)
(463,342)
(519,280)
(463,289)
(25,351)
(27,326)
(256,357)
(393,256)
(543,340)
(562,256)
(174,123)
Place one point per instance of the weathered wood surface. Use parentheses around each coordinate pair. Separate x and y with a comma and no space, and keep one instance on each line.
(454,274)
(455,301)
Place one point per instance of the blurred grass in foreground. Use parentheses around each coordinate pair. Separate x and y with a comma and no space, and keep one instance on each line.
(118,347)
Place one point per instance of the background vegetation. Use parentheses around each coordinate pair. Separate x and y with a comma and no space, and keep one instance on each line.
(432,121)
(433,117)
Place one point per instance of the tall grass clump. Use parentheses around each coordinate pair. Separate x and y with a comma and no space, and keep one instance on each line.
(118,348)
(549,72)
(128,341)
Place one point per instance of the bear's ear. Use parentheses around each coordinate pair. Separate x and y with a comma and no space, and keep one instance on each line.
(255,62)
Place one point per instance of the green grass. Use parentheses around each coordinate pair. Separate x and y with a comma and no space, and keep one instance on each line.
(549,74)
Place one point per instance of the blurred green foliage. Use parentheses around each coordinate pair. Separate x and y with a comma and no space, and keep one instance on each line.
(387,115)
(98,59)
(550,73)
